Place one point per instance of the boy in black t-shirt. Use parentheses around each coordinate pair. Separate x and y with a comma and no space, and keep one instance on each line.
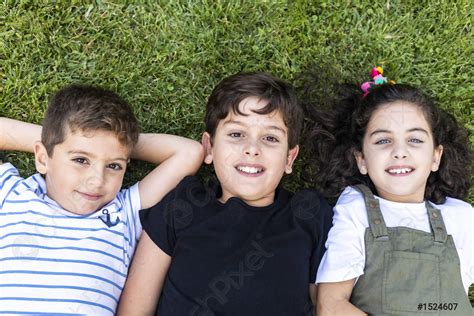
(243,246)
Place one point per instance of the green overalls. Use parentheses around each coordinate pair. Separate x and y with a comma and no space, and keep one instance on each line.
(408,271)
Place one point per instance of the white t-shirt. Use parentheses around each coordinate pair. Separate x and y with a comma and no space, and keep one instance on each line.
(54,261)
(345,248)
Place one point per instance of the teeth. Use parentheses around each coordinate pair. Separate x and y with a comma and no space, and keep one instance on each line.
(249,169)
(400,171)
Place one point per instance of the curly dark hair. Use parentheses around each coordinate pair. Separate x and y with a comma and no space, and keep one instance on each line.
(338,132)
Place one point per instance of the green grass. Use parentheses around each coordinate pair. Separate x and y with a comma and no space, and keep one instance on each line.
(166,57)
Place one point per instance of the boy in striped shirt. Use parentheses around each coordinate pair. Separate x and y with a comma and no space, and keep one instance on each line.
(68,233)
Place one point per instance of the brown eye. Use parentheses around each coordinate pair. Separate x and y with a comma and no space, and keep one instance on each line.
(115,166)
(80,160)
(271,139)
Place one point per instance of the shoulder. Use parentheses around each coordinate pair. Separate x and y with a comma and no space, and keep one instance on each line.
(350,196)
(309,199)
(186,181)
(351,201)
(192,192)
(9,178)
(179,204)
(452,204)
(456,211)
(18,190)
(128,202)
(457,214)
(192,189)
(128,193)
(311,210)
(189,188)
(350,207)
(7,169)
(188,185)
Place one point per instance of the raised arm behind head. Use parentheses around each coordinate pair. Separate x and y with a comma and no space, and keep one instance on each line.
(85,110)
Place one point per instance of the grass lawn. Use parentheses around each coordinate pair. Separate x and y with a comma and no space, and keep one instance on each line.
(166,57)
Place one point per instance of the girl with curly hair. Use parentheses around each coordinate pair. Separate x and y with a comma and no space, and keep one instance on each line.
(402,238)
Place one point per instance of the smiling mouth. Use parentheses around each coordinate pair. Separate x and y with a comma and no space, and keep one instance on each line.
(397,171)
(90,197)
(249,170)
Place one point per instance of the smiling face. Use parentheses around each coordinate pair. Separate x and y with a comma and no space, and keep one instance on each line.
(398,152)
(84,172)
(250,153)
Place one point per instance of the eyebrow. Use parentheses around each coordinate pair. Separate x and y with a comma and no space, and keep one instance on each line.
(272,127)
(85,153)
(414,129)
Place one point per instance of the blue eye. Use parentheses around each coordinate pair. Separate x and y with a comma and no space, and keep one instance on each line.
(416,141)
(382,141)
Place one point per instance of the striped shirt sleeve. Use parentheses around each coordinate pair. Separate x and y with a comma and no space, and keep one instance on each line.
(9,179)
(130,201)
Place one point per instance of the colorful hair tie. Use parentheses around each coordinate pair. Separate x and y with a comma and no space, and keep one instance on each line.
(377,78)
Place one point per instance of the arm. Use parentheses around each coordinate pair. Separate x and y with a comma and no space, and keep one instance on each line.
(177,157)
(333,299)
(344,259)
(145,279)
(313,294)
(24,137)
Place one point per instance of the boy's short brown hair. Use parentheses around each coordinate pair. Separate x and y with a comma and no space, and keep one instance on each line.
(88,108)
(281,97)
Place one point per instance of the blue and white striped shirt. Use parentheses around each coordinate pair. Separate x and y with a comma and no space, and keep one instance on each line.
(56,262)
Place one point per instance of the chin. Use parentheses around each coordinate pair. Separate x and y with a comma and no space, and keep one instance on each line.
(250,194)
(86,210)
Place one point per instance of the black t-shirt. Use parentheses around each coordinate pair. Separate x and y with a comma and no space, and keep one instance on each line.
(236,259)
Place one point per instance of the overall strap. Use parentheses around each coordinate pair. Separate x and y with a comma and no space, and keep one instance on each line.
(436,223)
(375,217)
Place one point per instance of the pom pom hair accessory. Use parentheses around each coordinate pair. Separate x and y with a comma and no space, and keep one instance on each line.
(377,78)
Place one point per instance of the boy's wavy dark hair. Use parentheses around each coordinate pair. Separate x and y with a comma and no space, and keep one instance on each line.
(337,133)
(88,108)
(280,95)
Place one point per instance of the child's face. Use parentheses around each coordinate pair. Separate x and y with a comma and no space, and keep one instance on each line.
(398,152)
(85,172)
(250,153)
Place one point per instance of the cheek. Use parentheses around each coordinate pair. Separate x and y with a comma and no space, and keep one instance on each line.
(285,160)
(279,161)
(60,174)
(374,155)
(226,158)
(115,181)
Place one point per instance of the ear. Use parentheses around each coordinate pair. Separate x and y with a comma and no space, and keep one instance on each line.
(359,156)
(207,144)
(41,157)
(292,154)
(437,153)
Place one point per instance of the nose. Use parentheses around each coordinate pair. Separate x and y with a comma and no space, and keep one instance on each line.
(399,151)
(94,178)
(252,148)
